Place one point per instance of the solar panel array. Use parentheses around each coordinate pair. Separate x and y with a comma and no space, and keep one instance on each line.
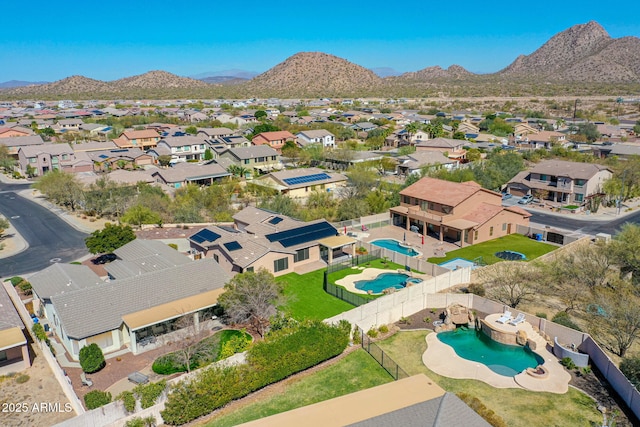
(205,235)
(305,179)
(304,234)
(232,246)
(275,220)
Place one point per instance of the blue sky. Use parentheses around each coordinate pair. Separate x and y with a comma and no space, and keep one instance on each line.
(109,40)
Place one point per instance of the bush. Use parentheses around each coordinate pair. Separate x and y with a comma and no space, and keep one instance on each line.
(562,318)
(173,245)
(25,287)
(38,331)
(567,362)
(236,344)
(476,289)
(96,398)
(356,338)
(383,329)
(128,399)
(149,393)
(22,378)
(149,421)
(480,408)
(373,333)
(16,280)
(282,353)
(91,358)
(630,367)
(541,315)
(169,364)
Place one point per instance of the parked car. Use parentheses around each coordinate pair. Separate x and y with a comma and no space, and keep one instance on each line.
(525,200)
(104,259)
(506,196)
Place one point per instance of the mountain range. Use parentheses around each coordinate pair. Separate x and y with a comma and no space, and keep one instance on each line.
(583,57)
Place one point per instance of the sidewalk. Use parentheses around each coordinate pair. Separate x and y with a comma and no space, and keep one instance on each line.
(604,214)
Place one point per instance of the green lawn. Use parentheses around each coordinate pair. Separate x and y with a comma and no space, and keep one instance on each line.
(357,371)
(517,407)
(513,242)
(305,298)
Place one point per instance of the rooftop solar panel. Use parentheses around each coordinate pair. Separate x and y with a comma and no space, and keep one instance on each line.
(232,246)
(303,234)
(306,179)
(205,235)
(275,220)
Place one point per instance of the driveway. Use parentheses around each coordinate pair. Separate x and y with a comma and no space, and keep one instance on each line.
(50,238)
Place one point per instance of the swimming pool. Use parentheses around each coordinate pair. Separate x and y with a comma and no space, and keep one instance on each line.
(394,245)
(382,282)
(506,360)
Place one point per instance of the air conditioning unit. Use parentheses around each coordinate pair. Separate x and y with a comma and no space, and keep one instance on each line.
(604,237)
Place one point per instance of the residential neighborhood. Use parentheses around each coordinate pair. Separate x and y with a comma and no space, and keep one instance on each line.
(207,229)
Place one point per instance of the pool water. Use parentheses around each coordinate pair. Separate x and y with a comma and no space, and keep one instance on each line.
(507,360)
(394,245)
(382,282)
(456,263)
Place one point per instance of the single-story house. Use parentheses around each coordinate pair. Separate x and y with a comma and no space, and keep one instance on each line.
(14,351)
(264,239)
(82,309)
(299,183)
(415,162)
(182,174)
(123,158)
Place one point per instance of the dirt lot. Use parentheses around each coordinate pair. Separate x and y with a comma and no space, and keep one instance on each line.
(20,404)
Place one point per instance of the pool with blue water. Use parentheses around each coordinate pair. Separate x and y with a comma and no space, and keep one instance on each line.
(506,360)
(382,282)
(395,245)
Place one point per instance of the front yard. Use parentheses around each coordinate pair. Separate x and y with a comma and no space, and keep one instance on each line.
(532,249)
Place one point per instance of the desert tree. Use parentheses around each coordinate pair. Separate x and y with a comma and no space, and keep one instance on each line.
(188,346)
(625,250)
(253,298)
(511,283)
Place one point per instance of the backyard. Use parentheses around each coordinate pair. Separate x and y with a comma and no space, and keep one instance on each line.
(356,371)
(517,407)
(530,248)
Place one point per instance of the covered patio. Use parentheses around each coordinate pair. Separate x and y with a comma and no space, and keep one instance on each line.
(332,248)
(443,228)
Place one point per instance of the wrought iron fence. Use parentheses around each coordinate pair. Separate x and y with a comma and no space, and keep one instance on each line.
(381,357)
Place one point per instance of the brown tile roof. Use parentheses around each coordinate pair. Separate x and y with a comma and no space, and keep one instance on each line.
(573,170)
(276,136)
(483,213)
(440,191)
(135,134)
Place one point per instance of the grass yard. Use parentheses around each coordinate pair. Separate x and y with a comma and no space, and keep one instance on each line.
(514,242)
(305,298)
(357,371)
(518,408)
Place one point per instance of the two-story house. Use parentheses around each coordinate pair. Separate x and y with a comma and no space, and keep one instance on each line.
(143,139)
(67,125)
(47,157)
(181,148)
(14,143)
(317,136)
(275,140)
(261,158)
(560,181)
(463,213)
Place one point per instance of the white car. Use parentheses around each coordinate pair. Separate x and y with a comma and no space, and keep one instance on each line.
(525,200)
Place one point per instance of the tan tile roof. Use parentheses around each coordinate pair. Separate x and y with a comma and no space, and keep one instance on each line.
(276,136)
(483,213)
(574,170)
(147,133)
(440,191)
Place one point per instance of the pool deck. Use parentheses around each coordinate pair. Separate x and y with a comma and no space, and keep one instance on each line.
(371,273)
(443,360)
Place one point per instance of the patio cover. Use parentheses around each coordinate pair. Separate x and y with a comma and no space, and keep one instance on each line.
(154,315)
(461,224)
(334,242)
(11,337)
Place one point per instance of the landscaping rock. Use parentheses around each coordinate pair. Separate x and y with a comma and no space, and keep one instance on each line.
(521,337)
(532,344)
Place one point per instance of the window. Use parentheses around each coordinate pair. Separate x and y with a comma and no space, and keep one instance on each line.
(202,146)
(273,157)
(504,226)
(491,231)
(301,255)
(280,264)
(579,197)
(65,156)
(246,161)
(543,177)
(216,258)
(261,159)
(3,355)
(32,160)
(475,235)
(248,269)
(580,182)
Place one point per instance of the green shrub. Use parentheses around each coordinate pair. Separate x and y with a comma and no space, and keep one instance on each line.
(405,320)
(169,364)
(128,399)
(236,344)
(25,287)
(562,318)
(173,245)
(481,409)
(16,280)
(383,329)
(373,333)
(476,289)
(567,362)
(356,338)
(96,398)
(149,393)
(541,315)
(280,355)
(22,378)
(38,331)
(91,358)
(149,421)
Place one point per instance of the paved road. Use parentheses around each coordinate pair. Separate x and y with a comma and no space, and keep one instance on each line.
(49,237)
(584,226)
